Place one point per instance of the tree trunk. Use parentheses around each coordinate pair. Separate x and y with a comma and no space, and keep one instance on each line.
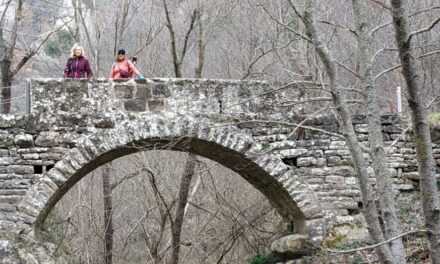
(417,103)
(201,47)
(108,213)
(7,58)
(6,86)
(379,159)
(181,204)
(360,166)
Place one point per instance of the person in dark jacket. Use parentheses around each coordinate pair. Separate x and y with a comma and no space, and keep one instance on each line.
(77,65)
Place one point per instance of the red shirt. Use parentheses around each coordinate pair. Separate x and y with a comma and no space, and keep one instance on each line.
(122,66)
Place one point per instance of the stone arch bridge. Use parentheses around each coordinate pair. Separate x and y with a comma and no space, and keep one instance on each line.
(73,127)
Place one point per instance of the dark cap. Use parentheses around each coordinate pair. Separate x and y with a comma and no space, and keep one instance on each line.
(121,50)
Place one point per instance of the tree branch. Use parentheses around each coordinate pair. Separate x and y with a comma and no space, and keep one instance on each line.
(170,27)
(399,65)
(415,33)
(347,69)
(188,32)
(337,26)
(13,39)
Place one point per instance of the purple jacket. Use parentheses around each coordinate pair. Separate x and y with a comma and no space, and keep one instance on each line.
(77,68)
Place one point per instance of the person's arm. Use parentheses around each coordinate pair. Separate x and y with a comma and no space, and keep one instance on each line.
(112,72)
(88,70)
(67,69)
(133,69)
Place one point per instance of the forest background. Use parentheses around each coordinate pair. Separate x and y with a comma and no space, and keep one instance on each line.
(222,219)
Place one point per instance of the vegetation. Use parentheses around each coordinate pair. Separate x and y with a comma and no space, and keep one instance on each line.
(59,44)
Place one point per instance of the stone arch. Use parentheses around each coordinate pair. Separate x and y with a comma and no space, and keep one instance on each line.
(227,145)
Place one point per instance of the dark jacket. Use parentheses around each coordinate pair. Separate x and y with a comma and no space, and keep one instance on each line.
(77,68)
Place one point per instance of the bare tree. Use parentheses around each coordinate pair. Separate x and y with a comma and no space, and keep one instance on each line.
(177,56)
(417,103)
(379,159)
(344,118)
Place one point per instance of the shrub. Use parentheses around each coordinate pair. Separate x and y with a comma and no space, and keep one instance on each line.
(264,258)
(60,43)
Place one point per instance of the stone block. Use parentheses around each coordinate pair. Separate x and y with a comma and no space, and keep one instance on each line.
(315,180)
(361,128)
(403,187)
(161,90)
(48,139)
(337,145)
(143,92)
(51,156)
(335,179)
(333,161)
(156,105)
(20,169)
(291,153)
(321,162)
(4,161)
(6,140)
(31,156)
(10,199)
(4,153)
(392,129)
(135,105)
(411,175)
(16,184)
(124,91)
(319,171)
(350,180)
(24,141)
(306,161)
(345,171)
(359,119)
(343,152)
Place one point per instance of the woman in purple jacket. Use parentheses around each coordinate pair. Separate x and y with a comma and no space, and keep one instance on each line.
(77,66)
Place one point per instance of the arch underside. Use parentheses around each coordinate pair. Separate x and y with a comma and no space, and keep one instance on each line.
(289,197)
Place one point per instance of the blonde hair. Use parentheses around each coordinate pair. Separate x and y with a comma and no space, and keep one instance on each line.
(76,46)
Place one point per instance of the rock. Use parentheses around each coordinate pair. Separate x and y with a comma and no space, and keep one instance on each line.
(24,141)
(48,139)
(295,245)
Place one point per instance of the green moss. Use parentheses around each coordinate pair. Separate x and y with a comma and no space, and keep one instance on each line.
(434,117)
(258,259)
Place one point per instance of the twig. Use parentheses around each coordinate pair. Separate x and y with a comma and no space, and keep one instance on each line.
(337,26)
(400,136)
(347,69)
(378,244)
(285,123)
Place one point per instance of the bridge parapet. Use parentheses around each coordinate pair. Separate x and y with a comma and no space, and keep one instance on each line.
(92,103)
